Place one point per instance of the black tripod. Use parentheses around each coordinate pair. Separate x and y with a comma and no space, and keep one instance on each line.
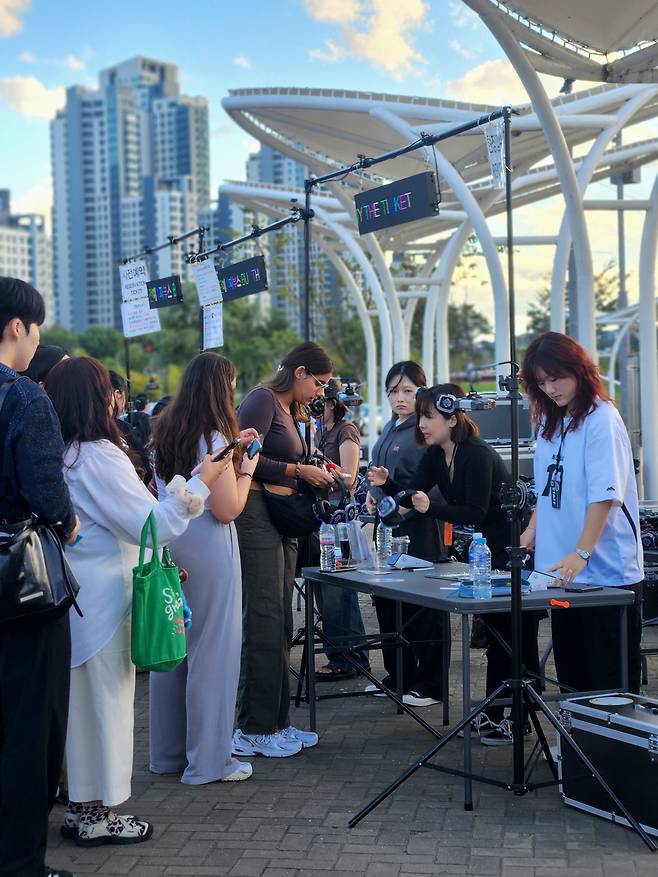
(523,695)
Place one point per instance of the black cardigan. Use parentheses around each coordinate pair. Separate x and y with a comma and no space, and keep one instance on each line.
(473,495)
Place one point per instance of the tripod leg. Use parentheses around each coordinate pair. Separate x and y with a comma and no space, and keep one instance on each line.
(302,673)
(310,653)
(564,734)
(464,725)
(539,731)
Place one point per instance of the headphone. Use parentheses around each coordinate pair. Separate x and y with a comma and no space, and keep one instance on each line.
(445,403)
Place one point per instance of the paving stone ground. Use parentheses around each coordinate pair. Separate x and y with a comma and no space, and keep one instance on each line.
(290,819)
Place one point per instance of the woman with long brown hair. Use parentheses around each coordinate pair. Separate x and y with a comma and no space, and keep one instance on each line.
(192,708)
(113,505)
(269,558)
(586,525)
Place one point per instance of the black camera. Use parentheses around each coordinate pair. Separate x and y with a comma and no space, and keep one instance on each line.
(389,507)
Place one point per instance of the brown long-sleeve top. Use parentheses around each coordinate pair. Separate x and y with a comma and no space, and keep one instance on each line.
(282,442)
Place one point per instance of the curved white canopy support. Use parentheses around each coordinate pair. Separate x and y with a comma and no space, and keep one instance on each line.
(477,220)
(563,163)
(584,175)
(368,334)
(649,347)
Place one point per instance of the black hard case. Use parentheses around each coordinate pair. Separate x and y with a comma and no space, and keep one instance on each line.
(622,743)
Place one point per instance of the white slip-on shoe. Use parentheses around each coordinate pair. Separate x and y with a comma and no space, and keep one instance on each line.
(241,771)
(306,738)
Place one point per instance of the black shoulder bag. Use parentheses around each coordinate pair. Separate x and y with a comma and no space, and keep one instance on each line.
(36,581)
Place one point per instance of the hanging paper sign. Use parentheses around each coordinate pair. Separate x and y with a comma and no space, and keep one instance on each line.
(494,138)
(134,277)
(243,278)
(165,292)
(213,326)
(207,282)
(138,318)
(403,201)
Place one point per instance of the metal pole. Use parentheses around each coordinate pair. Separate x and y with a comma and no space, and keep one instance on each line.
(129,407)
(308,185)
(515,553)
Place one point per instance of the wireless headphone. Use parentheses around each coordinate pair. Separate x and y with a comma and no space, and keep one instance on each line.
(444,404)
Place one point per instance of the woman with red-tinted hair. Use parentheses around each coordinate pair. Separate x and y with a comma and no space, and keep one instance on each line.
(586,524)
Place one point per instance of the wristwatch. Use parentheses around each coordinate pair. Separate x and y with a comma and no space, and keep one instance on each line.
(584,554)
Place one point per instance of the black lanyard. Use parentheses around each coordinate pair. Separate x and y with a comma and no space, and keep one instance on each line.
(555,472)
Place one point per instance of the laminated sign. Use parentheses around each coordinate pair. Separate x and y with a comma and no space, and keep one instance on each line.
(136,316)
(243,278)
(396,203)
(494,138)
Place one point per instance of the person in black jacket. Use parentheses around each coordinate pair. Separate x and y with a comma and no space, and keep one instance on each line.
(469,474)
(34,652)
(398,450)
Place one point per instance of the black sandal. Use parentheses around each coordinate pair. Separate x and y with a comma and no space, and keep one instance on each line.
(331,671)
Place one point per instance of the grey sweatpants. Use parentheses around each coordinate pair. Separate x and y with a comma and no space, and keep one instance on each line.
(268,575)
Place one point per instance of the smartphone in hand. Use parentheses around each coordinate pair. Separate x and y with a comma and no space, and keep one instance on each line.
(255,447)
(231,446)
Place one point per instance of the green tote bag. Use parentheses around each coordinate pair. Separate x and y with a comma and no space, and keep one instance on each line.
(158,632)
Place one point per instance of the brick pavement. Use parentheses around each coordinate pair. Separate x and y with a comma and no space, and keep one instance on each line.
(290,819)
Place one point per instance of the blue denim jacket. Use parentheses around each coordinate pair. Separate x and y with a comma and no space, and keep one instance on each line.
(31,480)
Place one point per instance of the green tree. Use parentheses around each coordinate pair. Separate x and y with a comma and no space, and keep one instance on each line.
(103,342)
(60,337)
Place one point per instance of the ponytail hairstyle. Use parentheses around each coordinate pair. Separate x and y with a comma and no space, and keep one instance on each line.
(310,356)
(465,427)
(560,356)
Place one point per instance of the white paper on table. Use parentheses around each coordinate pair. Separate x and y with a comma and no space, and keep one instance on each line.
(213,326)
(138,318)
(134,277)
(207,283)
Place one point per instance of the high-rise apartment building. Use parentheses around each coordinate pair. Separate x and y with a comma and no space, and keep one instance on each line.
(131,167)
(25,250)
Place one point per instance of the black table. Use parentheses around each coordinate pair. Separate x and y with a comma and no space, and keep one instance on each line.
(436,589)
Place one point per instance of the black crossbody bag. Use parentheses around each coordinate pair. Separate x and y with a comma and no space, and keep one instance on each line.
(36,581)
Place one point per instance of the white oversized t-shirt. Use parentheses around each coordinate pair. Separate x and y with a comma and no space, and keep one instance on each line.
(597,465)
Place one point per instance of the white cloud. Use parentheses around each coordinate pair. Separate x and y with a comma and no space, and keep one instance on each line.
(331,53)
(38,199)
(28,96)
(378,31)
(495,82)
(27,58)
(242,61)
(10,16)
(461,50)
(462,16)
(74,63)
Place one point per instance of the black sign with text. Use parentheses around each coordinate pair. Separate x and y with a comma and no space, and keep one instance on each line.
(243,278)
(403,201)
(164,292)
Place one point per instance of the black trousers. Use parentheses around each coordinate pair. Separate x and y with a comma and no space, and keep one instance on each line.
(35,669)
(421,663)
(499,662)
(586,646)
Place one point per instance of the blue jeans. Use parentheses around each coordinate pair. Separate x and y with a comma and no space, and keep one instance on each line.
(341,616)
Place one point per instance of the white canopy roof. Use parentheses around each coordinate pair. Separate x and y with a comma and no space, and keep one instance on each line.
(600,40)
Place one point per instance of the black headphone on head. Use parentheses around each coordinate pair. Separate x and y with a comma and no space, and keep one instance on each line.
(445,403)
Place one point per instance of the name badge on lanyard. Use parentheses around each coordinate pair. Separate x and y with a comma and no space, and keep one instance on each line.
(555,473)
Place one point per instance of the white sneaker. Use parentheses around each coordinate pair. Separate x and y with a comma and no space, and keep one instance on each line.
(242,771)
(263,744)
(373,689)
(415,699)
(306,738)
(481,724)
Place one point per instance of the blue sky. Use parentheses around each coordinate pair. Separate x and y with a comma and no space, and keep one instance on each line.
(225,45)
(420,47)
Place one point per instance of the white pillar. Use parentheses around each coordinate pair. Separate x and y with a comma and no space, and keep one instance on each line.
(622,332)
(369,337)
(584,175)
(649,348)
(479,223)
(563,164)
(373,282)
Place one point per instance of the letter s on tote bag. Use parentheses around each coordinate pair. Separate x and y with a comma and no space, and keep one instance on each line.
(158,632)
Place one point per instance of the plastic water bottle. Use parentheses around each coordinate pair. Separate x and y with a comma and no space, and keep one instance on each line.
(466,589)
(481,570)
(327,548)
(384,543)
